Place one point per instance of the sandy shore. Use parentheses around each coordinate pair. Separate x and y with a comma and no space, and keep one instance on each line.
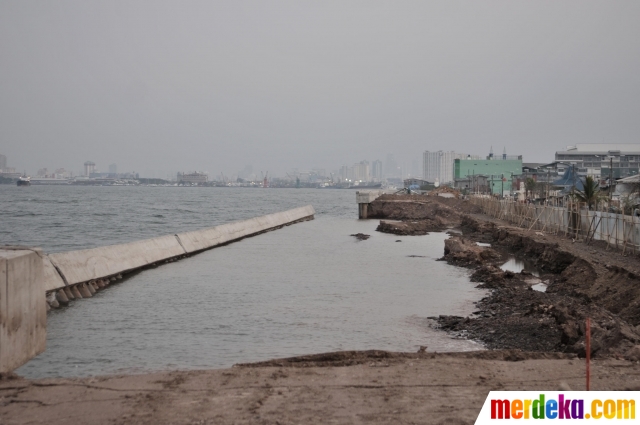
(342,388)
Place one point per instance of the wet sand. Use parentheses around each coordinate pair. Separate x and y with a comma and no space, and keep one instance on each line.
(351,388)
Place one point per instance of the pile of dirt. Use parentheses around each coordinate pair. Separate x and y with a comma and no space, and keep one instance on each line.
(463,252)
(492,276)
(419,214)
(414,207)
(444,189)
(537,321)
(410,228)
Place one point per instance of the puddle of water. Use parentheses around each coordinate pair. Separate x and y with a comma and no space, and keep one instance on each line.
(542,287)
(517,265)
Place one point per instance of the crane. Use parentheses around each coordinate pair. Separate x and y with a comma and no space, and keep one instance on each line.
(265,182)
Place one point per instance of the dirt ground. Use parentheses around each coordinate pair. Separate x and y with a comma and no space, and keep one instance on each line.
(338,388)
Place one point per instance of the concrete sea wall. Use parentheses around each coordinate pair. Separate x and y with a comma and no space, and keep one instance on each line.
(23,310)
(79,274)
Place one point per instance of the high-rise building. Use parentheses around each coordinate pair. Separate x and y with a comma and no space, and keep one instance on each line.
(113,169)
(361,171)
(376,171)
(89,168)
(3,162)
(344,173)
(438,166)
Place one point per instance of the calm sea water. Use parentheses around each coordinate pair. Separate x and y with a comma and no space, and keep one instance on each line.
(303,289)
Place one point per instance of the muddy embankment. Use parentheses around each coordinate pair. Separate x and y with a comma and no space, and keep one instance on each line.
(582,281)
(418,215)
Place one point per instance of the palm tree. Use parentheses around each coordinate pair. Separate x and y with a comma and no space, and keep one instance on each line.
(590,194)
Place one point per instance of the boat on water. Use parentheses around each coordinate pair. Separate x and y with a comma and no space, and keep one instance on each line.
(24,181)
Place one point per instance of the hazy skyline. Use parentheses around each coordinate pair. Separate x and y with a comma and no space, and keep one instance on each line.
(159,86)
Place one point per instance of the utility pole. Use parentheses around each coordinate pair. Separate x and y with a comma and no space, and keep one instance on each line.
(548,181)
(610,178)
(473,181)
(502,181)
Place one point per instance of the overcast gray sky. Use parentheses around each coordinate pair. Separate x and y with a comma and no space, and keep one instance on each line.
(161,86)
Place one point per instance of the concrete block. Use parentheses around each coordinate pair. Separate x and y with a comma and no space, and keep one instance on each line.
(52,279)
(215,236)
(62,297)
(23,308)
(68,293)
(76,292)
(52,300)
(367,197)
(84,290)
(89,264)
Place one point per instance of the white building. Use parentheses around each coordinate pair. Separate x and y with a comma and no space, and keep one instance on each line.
(344,173)
(438,166)
(602,159)
(361,171)
(89,168)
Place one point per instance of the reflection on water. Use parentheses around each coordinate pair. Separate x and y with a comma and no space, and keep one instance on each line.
(541,287)
(517,265)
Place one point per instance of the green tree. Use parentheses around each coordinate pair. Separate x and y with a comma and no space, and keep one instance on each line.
(590,194)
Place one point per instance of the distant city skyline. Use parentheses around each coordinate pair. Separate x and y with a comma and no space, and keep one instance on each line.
(217,85)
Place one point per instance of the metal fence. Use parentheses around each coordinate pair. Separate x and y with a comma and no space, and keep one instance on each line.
(574,220)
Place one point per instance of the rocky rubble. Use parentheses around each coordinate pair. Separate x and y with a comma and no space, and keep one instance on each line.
(514,316)
(466,253)
(409,228)
(537,321)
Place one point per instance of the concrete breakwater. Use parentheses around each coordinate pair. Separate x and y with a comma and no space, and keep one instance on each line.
(79,274)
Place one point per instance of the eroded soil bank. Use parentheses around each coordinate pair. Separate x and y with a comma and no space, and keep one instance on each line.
(374,387)
(418,215)
(583,281)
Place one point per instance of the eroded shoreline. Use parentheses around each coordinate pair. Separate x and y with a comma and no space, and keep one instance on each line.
(583,281)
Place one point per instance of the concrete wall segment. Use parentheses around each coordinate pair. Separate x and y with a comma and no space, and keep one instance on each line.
(214,236)
(52,279)
(95,263)
(89,264)
(23,308)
